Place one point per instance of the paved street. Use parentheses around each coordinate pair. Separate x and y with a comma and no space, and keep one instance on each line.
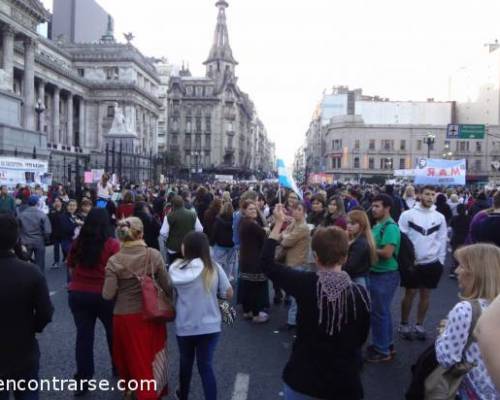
(249,358)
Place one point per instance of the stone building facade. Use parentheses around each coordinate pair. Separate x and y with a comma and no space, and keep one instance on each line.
(59,99)
(106,105)
(370,136)
(213,124)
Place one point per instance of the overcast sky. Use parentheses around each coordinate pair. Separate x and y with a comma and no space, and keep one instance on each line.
(289,51)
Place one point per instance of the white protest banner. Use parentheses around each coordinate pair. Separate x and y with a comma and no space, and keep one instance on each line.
(25,171)
(440,172)
(404,172)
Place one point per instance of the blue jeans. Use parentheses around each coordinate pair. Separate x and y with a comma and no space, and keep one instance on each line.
(291,394)
(24,395)
(362,280)
(383,286)
(292,311)
(57,251)
(86,308)
(203,346)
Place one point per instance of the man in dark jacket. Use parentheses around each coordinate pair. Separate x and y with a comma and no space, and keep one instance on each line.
(488,229)
(25,308)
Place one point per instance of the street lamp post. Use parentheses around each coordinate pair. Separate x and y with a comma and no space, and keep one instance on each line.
(496,167)
(429,141)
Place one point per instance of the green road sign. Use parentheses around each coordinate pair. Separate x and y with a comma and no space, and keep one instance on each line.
(465,131)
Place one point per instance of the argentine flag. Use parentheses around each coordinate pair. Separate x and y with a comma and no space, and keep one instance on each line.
(285,180)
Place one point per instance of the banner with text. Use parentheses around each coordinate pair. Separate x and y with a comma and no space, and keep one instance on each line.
(24,171)
(440,172)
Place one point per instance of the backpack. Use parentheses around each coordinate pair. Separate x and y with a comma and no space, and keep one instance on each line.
(406,256)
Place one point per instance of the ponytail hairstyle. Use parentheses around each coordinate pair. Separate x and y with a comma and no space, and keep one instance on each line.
(361,218)
(196,245)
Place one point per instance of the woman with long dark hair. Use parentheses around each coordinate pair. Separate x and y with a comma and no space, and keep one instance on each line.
(86,262)
(199,281)
(253,291)
(336,213)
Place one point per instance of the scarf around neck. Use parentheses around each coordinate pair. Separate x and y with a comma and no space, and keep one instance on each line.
(334,289)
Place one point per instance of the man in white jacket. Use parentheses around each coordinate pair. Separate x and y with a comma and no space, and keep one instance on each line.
(427,230)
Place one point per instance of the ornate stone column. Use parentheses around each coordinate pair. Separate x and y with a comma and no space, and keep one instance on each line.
(70,138)
(8,37)
(41,100)
(81,123)
(56,99)
(29,84)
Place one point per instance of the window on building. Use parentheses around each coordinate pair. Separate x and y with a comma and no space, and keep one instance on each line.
(208,124)
(174,139)
(371,163)
(336,163)
(402,163)
(81,72)
(463,146)
(209,91)
(175,124)
(337,144)
(371,144)
(199,91)
(111,112)
(198,142)
(230,126)
(189,125)
(112,73)
(356,144)
(230,141)
(198,124)
(477,165)
(402,145)
(356,162)
(189,90)
(419,145)
(386,163)
(387,144)
(479,147)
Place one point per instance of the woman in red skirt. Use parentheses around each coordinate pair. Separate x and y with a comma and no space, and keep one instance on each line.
(139,346)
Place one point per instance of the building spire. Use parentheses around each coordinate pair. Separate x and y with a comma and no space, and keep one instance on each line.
(221,50)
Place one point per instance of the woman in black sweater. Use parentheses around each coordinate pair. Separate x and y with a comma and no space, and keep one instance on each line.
(332,321)
(253,292)
(362,250)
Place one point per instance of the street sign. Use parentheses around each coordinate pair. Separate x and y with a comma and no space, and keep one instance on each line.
(465,131)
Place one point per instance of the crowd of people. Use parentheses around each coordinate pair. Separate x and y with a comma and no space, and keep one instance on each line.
(335,255)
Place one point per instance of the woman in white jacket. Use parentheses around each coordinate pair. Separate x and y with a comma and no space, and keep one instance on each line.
(199,282)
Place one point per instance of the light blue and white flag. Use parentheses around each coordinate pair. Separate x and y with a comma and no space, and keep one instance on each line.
(285,179)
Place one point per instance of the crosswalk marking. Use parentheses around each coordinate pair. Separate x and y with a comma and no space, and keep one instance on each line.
(241,387)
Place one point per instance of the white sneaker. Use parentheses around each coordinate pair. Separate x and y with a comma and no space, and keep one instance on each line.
(405,331)
(261,318)
(420,332)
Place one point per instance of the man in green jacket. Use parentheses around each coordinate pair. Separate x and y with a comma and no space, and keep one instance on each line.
(7,203)
(176,226)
